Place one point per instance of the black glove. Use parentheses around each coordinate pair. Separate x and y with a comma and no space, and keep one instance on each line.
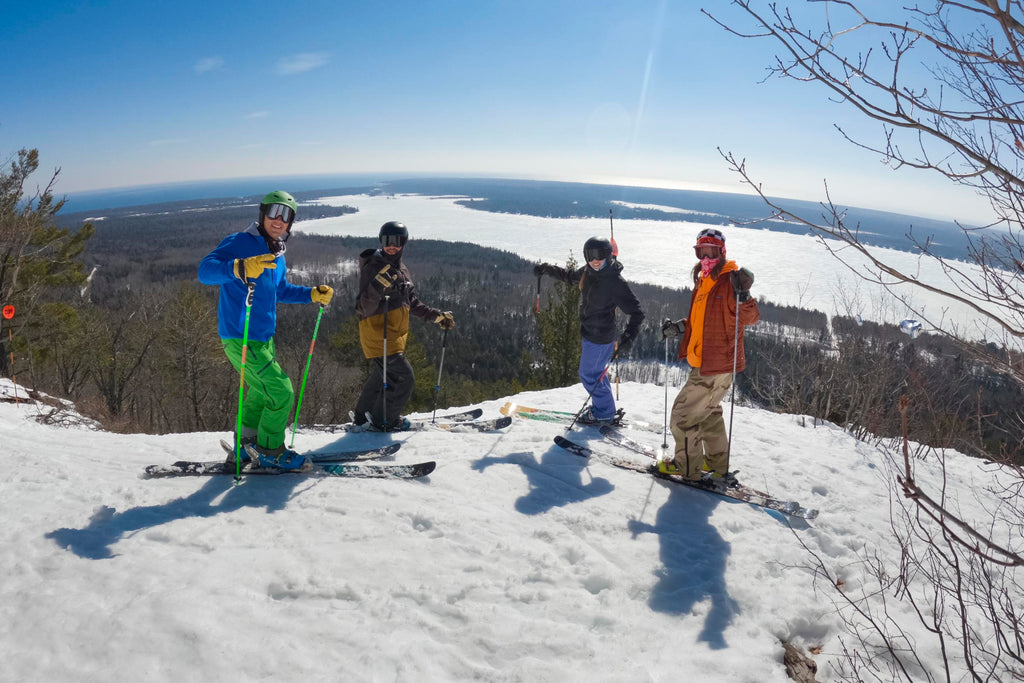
(671,329)
(386,276)
(540,269)
(403,287)
(742,280)
(625,342)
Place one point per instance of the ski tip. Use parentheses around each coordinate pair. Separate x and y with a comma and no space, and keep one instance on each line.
(573,447)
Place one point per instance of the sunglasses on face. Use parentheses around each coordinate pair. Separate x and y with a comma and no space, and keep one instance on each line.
(393,241)
(280,212)
(706,251)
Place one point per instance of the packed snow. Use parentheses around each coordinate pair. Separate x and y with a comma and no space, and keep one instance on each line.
(513,561)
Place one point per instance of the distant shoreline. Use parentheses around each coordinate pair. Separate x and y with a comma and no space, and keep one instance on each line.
(542,198)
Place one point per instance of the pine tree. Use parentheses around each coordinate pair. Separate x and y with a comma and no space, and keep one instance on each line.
(37,258)
(558,327)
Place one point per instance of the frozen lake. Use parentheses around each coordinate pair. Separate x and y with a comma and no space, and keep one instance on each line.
(794,270)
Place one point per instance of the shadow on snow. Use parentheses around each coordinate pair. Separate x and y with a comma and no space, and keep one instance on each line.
(107,526)
(556,480)
(693,558)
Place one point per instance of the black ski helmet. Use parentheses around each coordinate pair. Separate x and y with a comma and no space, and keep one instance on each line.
(596,248)
(398,233)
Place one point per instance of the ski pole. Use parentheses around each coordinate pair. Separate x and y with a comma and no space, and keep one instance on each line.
(732,398)
(384,376)
(664,433)
(538,294)
(14,377)
(616,379)
(8,314)
(440,366)
(611,225)
(305,374)
(241,383)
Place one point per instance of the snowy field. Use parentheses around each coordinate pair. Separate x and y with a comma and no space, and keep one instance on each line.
(794,270)
(513,561)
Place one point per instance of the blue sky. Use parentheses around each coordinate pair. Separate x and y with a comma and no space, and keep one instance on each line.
(642,91)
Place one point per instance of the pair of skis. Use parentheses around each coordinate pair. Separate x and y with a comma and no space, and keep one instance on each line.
(455,422)
(466,421)
(562,416)
(618,437)
(326,464)
(737,492)
(344,463)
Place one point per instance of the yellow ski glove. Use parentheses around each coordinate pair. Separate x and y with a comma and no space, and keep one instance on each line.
(251,268)
(445,320)
(321,295)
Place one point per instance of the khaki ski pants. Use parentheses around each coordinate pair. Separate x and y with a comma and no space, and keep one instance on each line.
(698,427)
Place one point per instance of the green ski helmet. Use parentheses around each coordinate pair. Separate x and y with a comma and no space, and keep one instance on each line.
(284,199)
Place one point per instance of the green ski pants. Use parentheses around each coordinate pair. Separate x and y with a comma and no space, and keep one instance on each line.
(269,395)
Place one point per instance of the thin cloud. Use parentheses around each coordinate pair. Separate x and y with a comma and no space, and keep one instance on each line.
(258,115)
(209,64)
(306,61)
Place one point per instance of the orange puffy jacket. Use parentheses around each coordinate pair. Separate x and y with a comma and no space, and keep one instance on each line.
(713,309)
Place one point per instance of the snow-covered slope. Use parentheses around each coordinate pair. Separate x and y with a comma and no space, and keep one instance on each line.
(513,561)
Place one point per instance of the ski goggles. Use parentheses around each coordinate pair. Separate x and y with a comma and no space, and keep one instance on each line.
(280,212)
(595,254)
(393,240)
(707,251)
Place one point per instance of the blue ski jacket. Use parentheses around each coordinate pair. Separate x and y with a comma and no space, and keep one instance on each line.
(271,286)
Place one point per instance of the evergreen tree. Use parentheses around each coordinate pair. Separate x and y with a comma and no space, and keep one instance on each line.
(60,353)
(37,258)
(425,377)
(558,327)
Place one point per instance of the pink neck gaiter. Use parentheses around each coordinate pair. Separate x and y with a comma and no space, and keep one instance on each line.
(706,265)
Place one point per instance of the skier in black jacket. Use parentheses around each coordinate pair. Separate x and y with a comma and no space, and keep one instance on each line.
(602,290)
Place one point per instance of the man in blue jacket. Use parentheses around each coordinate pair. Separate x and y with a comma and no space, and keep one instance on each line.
(255,257)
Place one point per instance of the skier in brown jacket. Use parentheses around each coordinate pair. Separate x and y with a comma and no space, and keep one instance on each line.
(385,301)
(713,346)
